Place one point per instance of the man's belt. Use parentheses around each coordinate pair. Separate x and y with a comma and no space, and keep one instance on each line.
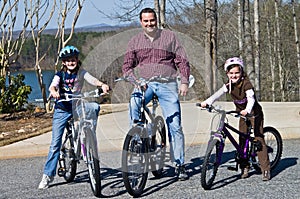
(162,79)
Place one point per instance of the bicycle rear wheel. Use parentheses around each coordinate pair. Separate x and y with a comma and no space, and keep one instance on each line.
(67,161)
(93,163)
(135,161)
(210,164)
(274,146)
(158,147)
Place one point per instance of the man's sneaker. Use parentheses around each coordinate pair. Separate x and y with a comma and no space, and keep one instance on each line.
(44,184)
(266,175)
(181,173)
(245,173)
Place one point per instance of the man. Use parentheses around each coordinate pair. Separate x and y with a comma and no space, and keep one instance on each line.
(157,53)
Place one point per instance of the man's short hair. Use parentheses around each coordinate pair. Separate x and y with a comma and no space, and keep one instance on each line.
(148,10)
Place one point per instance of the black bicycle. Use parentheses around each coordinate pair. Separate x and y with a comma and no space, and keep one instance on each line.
(213,156)
(144,147)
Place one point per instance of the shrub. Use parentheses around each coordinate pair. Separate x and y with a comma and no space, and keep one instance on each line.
(14,96)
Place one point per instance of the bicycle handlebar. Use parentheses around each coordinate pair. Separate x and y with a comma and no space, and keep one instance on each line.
(90,94)
(211,108)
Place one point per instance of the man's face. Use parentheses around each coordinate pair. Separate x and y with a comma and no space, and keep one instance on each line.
(149,23)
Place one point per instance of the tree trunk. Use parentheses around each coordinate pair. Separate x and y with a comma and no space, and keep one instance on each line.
(160,8)
(278,52)
(271,60)
(297,45)
(257,49)
(240,26)
(211,44)
(248,58)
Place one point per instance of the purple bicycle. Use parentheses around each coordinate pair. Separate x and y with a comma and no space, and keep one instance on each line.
(213,156)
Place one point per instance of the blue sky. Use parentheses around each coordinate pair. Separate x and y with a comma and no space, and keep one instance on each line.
(89,14)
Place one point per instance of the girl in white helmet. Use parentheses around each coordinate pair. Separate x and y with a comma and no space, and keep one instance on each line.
(69,80)
(242,93)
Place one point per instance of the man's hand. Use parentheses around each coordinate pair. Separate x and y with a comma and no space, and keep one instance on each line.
(183,89)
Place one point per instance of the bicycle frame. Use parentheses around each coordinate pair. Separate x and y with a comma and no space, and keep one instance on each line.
(224,130)
(144,109)
(78,134)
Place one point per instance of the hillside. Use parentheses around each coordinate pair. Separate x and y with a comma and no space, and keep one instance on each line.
(84,38)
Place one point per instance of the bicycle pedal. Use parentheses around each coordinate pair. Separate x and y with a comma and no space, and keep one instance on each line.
(232,168)
(61,172)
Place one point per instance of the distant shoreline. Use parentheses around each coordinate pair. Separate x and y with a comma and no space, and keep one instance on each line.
(17,69)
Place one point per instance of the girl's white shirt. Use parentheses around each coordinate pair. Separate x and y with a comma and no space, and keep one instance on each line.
(223,90)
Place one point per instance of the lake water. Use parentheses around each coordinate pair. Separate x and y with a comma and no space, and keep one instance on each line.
(31,80)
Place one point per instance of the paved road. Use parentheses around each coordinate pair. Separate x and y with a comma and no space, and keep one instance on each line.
(113,127)
(20,178)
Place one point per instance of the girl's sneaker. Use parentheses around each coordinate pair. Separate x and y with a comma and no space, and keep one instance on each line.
(245,173)
(181,173)
(44,184)
(266,175)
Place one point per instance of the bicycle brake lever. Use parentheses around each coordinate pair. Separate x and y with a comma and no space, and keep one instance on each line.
(209,108)
(99,91)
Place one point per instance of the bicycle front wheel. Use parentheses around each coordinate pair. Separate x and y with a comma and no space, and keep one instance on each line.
(210,165)
(93,163)
(135,161)
(158,147)
(67,161)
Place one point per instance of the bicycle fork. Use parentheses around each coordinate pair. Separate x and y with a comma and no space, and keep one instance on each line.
(62,164)
(219,147)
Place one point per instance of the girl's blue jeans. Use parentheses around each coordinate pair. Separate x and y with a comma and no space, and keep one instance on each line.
(167,94)
(59,122)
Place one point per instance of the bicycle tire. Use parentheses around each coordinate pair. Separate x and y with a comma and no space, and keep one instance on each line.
(93,164)
(68,158)
(158,147)
(274,146)
(210,166)
(135,161)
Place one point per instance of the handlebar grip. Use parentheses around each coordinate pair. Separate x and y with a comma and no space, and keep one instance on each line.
(100,90)
(198,104)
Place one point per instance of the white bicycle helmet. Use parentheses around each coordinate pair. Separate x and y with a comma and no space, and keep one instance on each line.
(233,61)
(68,51)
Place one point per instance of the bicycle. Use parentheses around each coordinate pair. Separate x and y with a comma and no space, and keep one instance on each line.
(213,156)
(144,145)
(80,143)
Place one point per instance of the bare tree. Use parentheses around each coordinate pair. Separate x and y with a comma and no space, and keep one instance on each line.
(11,42)
(248,54)
(240,25)
(38,11)
(160,7)
(211,43)
(297,44)
(257,49)
(278,51)
(65,8)
(271,60)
